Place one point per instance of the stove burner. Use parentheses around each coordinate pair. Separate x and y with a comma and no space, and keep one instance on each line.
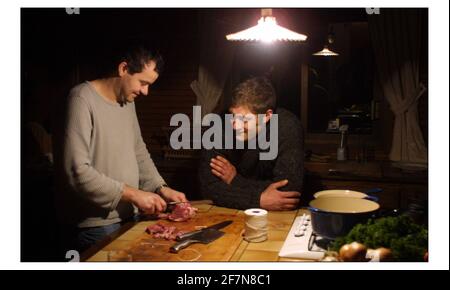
(317,243)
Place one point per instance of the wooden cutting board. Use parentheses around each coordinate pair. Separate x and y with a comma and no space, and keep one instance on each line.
(147,248)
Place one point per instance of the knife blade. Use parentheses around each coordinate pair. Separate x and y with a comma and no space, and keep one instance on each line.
(205,236)
(217,226)
(192,202)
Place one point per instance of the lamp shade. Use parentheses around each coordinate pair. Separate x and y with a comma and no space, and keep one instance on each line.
(267,30)
(326,52)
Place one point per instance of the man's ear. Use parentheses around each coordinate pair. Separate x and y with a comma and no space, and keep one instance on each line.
(268,115)
(122,69)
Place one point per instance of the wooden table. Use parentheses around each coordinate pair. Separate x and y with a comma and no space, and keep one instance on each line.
(279,224)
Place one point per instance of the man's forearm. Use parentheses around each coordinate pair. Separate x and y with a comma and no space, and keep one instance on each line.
(149,177)
(230,195)
(128,193)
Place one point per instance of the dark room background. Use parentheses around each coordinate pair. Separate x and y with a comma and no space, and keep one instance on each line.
(60,50)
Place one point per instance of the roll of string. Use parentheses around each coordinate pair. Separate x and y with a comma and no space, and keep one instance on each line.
(255,225)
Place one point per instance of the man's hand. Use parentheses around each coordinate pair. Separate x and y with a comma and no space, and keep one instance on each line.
(223,169)
(147,202)
(170,194)
(273,199)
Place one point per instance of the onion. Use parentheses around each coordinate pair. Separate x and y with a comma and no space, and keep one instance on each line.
(354,252)
(331,257)
(379,255)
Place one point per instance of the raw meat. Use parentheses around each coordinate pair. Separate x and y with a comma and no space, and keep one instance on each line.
(181,212)
(161,231)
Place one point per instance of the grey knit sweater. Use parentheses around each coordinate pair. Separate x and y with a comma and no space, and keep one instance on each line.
(253,174)
(101,150)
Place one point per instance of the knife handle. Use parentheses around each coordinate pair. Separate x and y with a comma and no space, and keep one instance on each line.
(187,235)
(181,245)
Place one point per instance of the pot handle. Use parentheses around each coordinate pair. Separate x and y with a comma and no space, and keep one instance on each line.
(314,209)
(387,213)
(371,194)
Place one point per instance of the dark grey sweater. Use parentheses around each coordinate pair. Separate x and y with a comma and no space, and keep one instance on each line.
(253,174)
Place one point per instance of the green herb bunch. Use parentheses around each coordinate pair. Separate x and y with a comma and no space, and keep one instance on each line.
(408,241)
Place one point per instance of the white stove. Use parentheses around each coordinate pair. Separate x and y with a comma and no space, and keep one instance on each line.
(301,242)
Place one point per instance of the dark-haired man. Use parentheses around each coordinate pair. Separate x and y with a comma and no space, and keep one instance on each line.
(241,178)
(105,173)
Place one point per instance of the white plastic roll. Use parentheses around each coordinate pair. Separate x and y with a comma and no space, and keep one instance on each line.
(255,225)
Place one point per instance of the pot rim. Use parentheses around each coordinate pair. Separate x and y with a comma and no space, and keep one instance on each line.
(350,199)
(339,193)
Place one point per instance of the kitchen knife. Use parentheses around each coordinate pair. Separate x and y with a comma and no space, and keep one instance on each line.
(206,236)
(215,227)
(192,202)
